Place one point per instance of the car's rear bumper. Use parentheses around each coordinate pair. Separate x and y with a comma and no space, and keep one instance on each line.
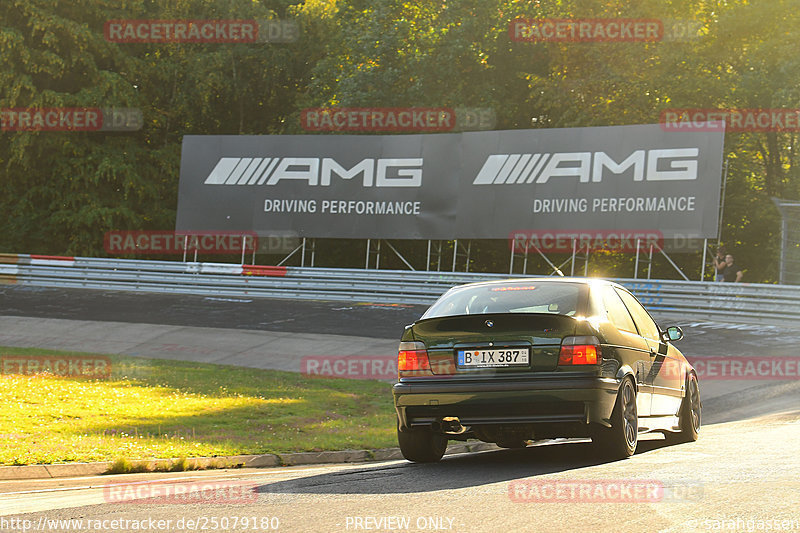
(543,400)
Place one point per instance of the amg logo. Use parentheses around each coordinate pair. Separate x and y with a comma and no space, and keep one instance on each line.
(315,170)
(650,165)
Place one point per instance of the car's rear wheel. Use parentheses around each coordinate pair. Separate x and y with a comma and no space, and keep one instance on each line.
(422,445)
(620,440)
(689,414)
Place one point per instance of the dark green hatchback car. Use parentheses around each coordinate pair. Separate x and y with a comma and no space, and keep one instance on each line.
(540,358)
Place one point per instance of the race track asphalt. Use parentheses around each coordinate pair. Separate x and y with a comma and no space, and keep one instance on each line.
(741,475)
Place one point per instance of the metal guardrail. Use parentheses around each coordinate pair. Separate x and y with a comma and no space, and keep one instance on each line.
(684,300)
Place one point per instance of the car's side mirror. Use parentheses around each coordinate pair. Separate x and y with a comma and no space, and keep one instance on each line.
(673,333)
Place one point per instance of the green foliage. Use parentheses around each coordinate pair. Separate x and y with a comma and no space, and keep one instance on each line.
(60,191)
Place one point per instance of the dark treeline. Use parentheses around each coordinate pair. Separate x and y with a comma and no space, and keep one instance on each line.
(61,191)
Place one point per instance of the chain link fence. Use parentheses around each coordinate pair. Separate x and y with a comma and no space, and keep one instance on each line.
(790,241)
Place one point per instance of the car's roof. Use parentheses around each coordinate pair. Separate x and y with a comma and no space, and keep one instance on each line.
(539,280)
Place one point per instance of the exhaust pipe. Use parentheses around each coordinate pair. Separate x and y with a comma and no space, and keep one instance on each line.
(452,425)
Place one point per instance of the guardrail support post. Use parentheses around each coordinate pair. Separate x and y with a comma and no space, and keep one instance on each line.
(636,264)
(650,262)
(455,250)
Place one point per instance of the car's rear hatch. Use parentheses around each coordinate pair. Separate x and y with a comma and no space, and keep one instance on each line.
(494,344)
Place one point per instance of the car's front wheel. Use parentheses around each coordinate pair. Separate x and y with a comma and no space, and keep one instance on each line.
(620,440)
(422,445)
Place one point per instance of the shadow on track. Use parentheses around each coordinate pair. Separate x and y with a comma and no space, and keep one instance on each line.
(453,472)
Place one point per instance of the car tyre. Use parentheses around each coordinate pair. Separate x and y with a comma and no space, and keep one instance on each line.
(689,415)
(422,445)
(620,440)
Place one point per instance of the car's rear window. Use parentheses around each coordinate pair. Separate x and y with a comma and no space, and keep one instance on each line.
(512,297)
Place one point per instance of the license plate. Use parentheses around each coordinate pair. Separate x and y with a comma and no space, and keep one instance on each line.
(493,358)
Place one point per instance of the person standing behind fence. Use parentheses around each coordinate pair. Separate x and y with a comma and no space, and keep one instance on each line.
(731,272)
(719,264)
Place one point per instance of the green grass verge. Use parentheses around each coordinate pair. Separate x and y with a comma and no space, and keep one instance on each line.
(152,408)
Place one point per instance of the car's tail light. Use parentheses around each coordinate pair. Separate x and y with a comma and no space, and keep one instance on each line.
(412,356)
(583,350)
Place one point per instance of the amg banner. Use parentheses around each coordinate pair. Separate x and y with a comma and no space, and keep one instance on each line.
(475,185)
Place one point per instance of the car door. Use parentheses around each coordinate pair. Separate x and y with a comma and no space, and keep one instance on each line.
(633,349)
(659,370)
